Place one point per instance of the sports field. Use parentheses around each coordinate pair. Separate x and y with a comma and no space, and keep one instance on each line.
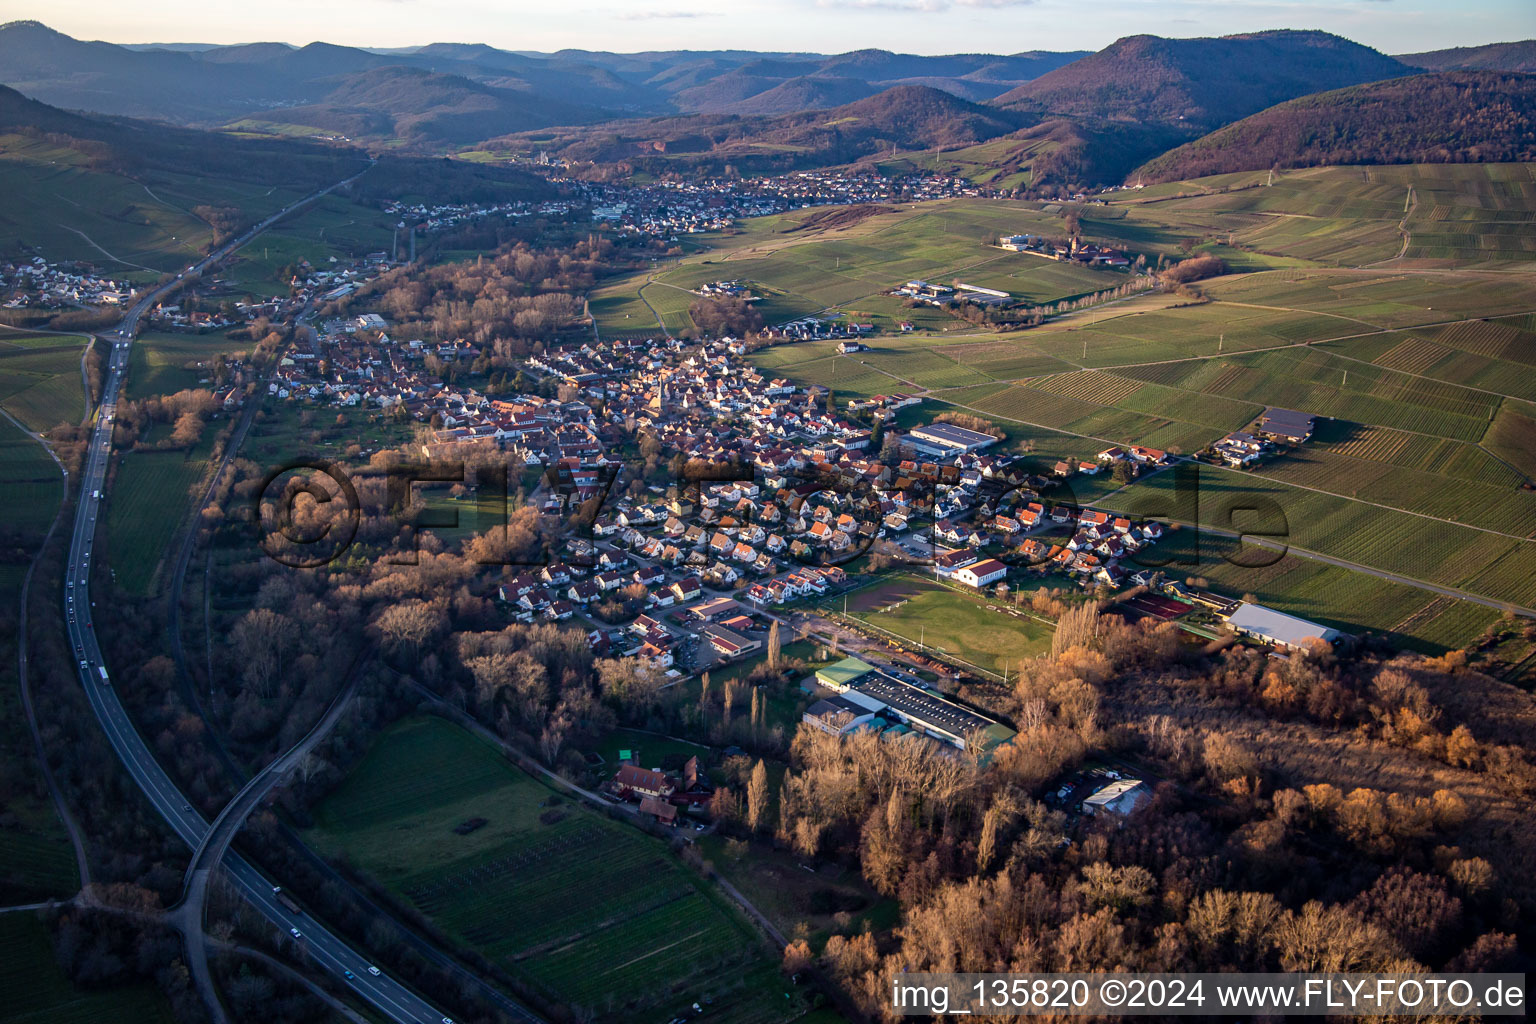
(590,909)
(950,622)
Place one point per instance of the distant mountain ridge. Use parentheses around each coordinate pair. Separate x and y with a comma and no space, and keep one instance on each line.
(1447,117)
(1201,83)
(1065,120)
(307,85)
(904,116)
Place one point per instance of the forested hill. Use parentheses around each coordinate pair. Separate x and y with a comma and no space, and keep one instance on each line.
(1518,56)
(1450,117)
(1201,82)
(903,117)
(139,149)
(126,146)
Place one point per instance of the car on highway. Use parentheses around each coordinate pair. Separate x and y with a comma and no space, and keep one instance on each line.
(349,975)
(373,970)
(295,933)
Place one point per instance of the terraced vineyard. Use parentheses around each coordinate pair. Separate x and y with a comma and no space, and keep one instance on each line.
(1492,565)
(1421,375)
(1338,597)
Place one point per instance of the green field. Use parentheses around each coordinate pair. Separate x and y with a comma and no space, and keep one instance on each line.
(1419,370)
(36,861)
(589,909)
(40,378)
(148,500)
(30,479)
(951,623)
(152,490)
(163,363)
(37,992)
(1345,216)
(1492,565)
(332,226)
(802,271)
(1411,617)
(62,209)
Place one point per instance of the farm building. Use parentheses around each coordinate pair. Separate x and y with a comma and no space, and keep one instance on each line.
(1277,628)
(1119,797)
(631,782)
(660,809)
(977,295)
(843,674)
(1286,425)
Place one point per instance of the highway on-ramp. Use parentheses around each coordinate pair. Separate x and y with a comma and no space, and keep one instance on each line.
(390,998)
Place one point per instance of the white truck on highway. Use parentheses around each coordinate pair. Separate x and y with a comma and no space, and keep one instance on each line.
(104,680)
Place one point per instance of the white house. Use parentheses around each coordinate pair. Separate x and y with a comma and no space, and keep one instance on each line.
(981,573)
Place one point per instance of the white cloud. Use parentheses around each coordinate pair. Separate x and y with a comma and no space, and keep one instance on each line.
(658,15)
(919,5)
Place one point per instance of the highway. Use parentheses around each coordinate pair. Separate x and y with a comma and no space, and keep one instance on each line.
(390,998)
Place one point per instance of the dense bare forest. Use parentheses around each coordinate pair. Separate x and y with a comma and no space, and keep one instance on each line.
(1258,852)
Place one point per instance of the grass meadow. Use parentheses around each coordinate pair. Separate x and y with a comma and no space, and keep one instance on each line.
(165,362)
(36,861)
(148,500)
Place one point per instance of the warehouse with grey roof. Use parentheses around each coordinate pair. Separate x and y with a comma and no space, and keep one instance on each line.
(1278,628)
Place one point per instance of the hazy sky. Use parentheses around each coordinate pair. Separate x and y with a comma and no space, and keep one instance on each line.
(826,26)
